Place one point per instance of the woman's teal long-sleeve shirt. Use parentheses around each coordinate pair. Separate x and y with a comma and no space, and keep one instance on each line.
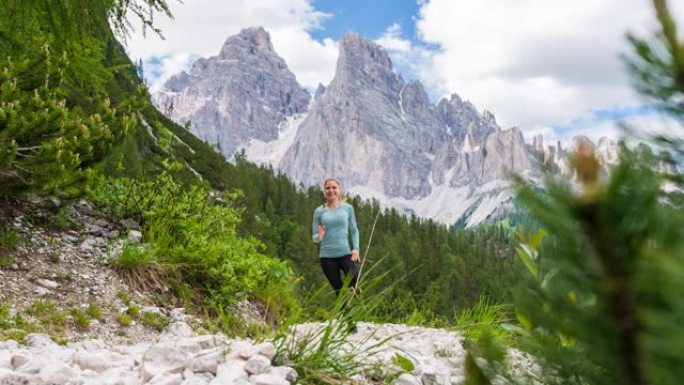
(338,223)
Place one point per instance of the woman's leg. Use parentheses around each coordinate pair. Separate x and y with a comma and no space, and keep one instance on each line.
(331,269)
(350,268)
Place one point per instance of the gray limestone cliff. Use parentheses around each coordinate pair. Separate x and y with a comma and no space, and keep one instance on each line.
(371,128)
(243,93)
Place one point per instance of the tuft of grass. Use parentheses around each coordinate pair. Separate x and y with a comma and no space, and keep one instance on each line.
(482,323)
(133,257)
(61,220)
(133,311)
(5,317)
(94,311)
(124,319)
(322,355)
(63,277)
(9,239)
(59,340)
(81,319)
(42,308)
(140,267)
(155,320)
(13,334)
(124,296)
(22,323)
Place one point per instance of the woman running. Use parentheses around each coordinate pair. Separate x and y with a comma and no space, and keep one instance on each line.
(332,223)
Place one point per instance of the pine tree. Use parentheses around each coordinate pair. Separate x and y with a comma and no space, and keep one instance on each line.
(60,108)
(604,305)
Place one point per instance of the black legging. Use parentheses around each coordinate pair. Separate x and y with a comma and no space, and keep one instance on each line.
(331,269)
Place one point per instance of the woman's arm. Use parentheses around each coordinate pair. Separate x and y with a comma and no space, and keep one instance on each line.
(315,225)
(354,229)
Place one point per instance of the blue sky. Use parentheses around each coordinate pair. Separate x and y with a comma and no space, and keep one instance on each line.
(548,67)
(367,18)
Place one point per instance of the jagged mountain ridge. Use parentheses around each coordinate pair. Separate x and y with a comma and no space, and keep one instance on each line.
(379,134)
(246,87)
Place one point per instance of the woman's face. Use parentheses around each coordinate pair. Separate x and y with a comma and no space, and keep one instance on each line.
(332,190)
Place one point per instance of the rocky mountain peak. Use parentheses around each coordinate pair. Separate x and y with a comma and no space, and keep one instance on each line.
(249,40)
(363,51)
(488,116)
(245,93)
(364,63)
(414,96)
(319,91)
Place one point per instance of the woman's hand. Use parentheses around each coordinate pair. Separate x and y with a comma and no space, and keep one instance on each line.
(321,232)
(355,256)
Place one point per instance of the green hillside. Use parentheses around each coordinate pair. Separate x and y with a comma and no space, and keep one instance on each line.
(95,97)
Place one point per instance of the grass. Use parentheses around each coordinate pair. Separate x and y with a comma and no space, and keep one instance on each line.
(133,257)
(61,220)
(42,308)
(133,310)
(124,319)
(14,326)
(482,323)
(155,320)
(124,296)
(9,239)
(81,318)
(322,355)
(94,312)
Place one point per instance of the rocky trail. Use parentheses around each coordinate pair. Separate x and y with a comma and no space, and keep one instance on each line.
(68,317)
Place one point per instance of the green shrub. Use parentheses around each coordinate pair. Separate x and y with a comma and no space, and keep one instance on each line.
(61,220)
(133,257)
(45,143)
(191,238)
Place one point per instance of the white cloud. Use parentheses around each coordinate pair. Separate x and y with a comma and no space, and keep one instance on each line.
(393,41)
(200,27)
(534,63)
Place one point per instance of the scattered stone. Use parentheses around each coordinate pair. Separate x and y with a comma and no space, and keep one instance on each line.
(206,362)
(268,379)
(285,372)
(177,330)
(41,291)
(257,364)
(46,283)
(178,314)
(135,236)
(87,245)
(102,223)
(266,349)
(130,223)
(160,359)
(406,379)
